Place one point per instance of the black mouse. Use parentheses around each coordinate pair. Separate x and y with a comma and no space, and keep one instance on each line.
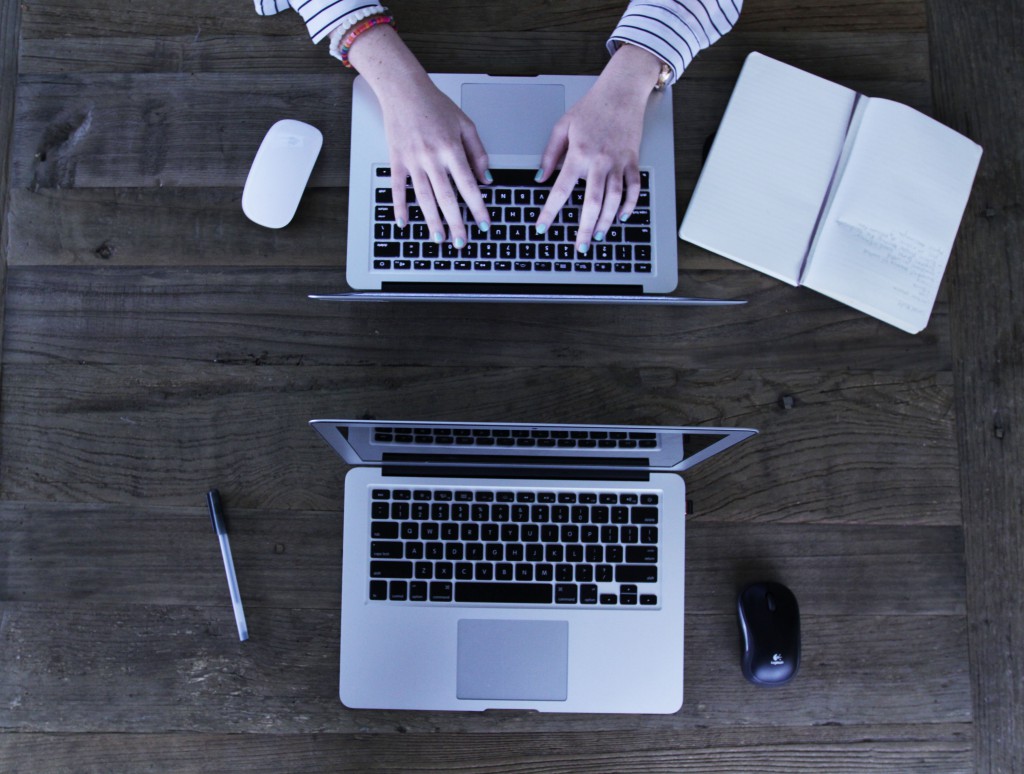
(770,623)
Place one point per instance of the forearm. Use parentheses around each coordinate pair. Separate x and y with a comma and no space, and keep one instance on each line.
(675,30)
(629,78)
(387,64)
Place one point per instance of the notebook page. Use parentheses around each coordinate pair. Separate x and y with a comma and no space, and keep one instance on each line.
(762,187)
(883,245)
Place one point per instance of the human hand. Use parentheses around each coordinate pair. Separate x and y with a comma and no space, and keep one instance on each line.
(598,140)
(429,137)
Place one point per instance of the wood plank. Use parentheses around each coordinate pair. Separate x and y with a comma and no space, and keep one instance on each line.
(262,316)
(979,90)
(877,55)
(854,448)
(118,227)
(927,749)
(158,668)
(202,130)
(108,18)
(10,29)
(168,556)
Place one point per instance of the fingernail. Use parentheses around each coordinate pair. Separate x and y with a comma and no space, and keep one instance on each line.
(484,226)
(438,237)
(459,243)
(625,216)
(488,176)
(599,236)
(400,222)
(540,228)
(539,175)
(582,247)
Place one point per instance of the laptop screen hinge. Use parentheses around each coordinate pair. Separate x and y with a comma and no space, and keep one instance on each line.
(518,288)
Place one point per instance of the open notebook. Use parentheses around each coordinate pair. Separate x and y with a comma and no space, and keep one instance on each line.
(812,183)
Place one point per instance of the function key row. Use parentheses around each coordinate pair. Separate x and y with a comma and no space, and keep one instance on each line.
(505,496)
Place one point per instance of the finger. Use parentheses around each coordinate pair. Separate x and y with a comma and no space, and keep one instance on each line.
(477,155)
(448,204)
(632,192)
(398,195)
(593,201)
(554,152)
(470,190)
(425,197)
(610,207)
(557,197)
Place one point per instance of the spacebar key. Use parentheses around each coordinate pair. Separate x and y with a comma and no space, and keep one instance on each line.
(514,593)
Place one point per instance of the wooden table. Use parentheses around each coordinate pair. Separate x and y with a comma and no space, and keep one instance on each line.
(156,343)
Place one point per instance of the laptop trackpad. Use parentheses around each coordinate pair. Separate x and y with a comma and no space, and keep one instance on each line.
(513,660)
(514,118)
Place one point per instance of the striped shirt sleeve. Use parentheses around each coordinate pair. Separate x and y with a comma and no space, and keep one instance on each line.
(320,16)
(675,30)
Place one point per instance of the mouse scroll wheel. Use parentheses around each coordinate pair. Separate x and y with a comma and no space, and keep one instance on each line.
(770,599)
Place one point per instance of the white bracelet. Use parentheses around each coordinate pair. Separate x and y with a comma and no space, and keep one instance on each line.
(351,20)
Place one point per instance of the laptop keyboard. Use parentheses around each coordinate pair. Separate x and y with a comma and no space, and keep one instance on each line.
(511,244)
(514,546)
(521,438)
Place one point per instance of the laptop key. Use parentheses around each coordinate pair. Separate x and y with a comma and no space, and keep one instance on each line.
(380,549)
(390,569)
(641,554)
(418,591)
(644,515)
(384,530)
(399,591)
(636,573)
(566,593)
(378,589)
(504,593)
(440,591)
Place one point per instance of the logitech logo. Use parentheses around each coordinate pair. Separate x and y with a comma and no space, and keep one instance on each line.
(777,659)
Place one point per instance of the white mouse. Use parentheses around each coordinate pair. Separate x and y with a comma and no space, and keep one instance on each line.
(280,172)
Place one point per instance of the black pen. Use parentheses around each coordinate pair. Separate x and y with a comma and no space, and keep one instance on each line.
(221,528)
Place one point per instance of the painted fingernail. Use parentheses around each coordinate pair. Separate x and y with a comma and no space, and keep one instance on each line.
(625,216)
(488,177)
(582,247)
(539,175)
(540,228)
(400,222)
(485,226)
(459,243)
(438,237)
(599,236)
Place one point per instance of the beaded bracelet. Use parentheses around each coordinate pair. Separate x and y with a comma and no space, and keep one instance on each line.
(349,21)
(358,30)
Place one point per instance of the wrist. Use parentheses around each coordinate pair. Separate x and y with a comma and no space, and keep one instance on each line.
(636,72)
(390,68)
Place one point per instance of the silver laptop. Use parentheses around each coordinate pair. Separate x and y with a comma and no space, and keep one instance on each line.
(515,566)
(514,116)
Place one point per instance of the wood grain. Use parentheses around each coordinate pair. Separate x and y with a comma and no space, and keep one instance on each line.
(155,668)
(979,90)
(871,449)
(108,19)
(146,555)
(202,130)
(841,749)
(157,344)
(262,317)
(10,31)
